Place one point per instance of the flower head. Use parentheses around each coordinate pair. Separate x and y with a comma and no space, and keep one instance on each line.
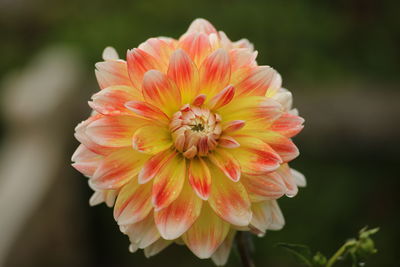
(191,139)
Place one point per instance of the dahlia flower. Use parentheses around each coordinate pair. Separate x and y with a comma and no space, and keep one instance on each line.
(190,141)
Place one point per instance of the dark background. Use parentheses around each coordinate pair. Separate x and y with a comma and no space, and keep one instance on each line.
(340,59)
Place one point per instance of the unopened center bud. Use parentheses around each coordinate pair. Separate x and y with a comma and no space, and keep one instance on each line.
(195,130)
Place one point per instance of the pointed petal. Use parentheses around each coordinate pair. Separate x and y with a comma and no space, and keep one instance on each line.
(215,72)
(82,137)
(287,177)
(229,199)
(201,25)
(263,187)
(148,111)
(159,91)
(288,125)
(156,247)
(221,255)
(143,233)
(206,234)
(282,145)
(255,156)
(196,45)
(133,203)
(96,198)
(109,53)
(176,219)
(242,58)
(284,97)
(259,80)
(133,248)
(277,219)
(184,73)
(222,98)
(232,126)
(299,178)
(199,100)
(151,139)
(112,100)
(154,164)
(227,164)
(113,131)
(258,112)
(227,141)
(139,62)
(200,177)
(112,73)
(168,182)
(118,168)
(262,218)
(159,48)
(85,160)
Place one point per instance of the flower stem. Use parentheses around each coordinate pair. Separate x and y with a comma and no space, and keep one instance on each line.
(243,245)
(340,252)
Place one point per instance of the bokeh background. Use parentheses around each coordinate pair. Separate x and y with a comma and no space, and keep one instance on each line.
(341,60)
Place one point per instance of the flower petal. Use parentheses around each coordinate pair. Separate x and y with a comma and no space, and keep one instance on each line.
(227,141)
(282,145)
(160,48)
(151,139)
(258,112)
(299,178)
(112,100)
(113,131)
(139,62)
(242,58)
(255,156)
(215,72)
(206,234)
(287,177)
(168,182)
(259,80)
(156,247)
(109,53)
(288,125)
(263,187)
(133,203)
(201,25)
(284,97)
(278,221)
(143,233)
(148,111)
(176,219)
(229,199)
(266,215)
(118,168)
(85,160)
(106,196)
(154,164)
(200,177)
(81,136)
(196,45)
(184,73)
(221,255)
(112,73)
(222,98)
(226,163)
(232,126)
(199,100)
(159,91)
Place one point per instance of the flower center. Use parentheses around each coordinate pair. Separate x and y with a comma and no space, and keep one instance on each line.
(195,130)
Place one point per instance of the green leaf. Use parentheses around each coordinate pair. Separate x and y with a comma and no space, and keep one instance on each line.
(302,252)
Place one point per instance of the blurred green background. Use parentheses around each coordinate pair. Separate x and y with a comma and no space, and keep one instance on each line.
(341,60)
